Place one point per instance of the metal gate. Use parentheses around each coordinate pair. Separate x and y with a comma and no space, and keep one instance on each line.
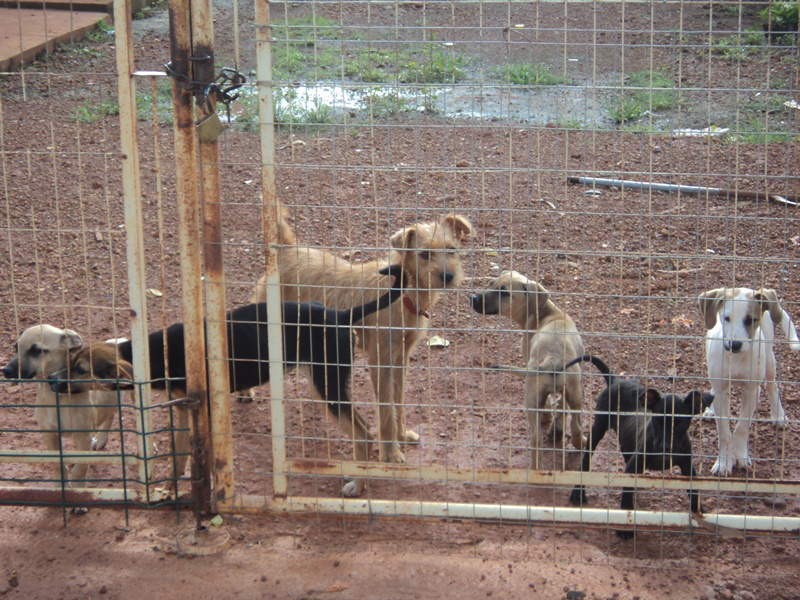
(372,116)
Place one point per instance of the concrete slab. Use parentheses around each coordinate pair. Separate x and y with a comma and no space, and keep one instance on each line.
(25,33)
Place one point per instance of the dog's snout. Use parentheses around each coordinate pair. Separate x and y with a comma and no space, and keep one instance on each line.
(477,302)
(733,346)
(10,370)
(448,276)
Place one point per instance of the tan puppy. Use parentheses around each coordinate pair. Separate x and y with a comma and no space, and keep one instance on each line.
(428,253)
(551,341)
(43,350)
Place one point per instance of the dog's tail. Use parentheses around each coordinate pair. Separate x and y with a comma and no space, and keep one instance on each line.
(789,329)
(286,235)
(601,366)
(355,314)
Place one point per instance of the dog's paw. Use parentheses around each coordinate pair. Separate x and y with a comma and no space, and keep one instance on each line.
(392,454)
(723,467)
(709,412)
(353,489)
(245,397)
(79,510)
(578,497)
(410,437)
(625,534)
(780,420)
(99,443)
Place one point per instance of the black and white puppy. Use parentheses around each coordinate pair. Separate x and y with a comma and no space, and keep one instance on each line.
(315,338)
(653,430)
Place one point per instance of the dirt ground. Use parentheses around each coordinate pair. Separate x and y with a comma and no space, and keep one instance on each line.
(627,266)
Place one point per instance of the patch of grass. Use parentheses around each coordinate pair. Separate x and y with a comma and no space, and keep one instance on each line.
(757,131)
(144,102)
(291,109)
(90,112)
(529,74)
(738,47)
(434,63)
(306,30)
(101,33)
(624,108)
(658,89)
(384,105)
(371,65)
(148,11)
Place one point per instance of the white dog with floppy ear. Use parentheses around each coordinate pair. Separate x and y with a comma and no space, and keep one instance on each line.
(739,353)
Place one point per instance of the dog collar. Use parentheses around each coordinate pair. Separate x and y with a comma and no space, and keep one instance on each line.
(411,307)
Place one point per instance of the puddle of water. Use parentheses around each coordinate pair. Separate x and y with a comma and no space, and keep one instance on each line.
(563,105)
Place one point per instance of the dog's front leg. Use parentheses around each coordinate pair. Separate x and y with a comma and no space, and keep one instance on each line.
(635,465)
(776,412)
(60,475)
(688,470)
(388,446)
(739,451)
(722,411)
(404,435)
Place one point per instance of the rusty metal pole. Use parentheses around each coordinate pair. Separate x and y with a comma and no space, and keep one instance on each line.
(221,446)
(132,194)
(271,206)
(190,249)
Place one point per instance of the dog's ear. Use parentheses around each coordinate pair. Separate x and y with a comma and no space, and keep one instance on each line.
(768,299)
(709,305)
(649,397)
(70,339)
(697,401)
(120,369)
(460,227)
(405,239)
(542,295)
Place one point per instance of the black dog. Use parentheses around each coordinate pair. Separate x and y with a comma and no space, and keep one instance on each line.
(315,338)
(652,430)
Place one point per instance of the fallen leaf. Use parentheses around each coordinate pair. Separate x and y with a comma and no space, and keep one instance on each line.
(153,293)
(337,587)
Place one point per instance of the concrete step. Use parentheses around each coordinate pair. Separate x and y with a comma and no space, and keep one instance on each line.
(79,5)
(25,33)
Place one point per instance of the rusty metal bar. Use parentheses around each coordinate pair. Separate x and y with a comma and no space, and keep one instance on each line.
(190,247)
(556,515)
(216,334)
(82,496)
(442,473)
(132,194)
(266,117)
(44,456)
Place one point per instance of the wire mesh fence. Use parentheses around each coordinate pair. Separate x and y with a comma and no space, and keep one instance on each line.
(449,136)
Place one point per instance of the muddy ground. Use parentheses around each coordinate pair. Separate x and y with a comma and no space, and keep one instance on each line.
(627,265)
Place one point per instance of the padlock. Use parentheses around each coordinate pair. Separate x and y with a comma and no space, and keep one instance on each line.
(210,128)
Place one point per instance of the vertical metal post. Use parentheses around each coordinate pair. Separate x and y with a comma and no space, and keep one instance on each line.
(131,186)
(190,247)
(221,447)
(270,216)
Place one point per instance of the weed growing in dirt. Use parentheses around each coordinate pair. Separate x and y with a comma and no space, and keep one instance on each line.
(738,47)
(435,63)
(382,105)
(624,108)
(103,32)
(91,112)
(658,89)
(527,74)
(163,108)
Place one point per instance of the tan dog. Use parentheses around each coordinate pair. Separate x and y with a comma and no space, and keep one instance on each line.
(42,351)
(551,341)
(428,253)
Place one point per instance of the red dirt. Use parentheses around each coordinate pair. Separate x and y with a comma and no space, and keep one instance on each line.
(626,265)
